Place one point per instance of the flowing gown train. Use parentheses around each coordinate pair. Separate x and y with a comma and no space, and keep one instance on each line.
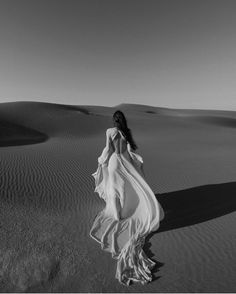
(131,209)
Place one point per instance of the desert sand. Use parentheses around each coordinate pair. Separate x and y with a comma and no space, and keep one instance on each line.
(47,155)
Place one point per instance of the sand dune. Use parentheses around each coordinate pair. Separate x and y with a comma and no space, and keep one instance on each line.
(218,121)
(14,134)
(48,153)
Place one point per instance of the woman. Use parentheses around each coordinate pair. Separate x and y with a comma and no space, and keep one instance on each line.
(131,210)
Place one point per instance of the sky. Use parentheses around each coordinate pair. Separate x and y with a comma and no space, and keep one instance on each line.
(167,53)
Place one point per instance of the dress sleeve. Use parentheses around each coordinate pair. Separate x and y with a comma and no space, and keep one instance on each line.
(135,156)
(107,151)
(101,175)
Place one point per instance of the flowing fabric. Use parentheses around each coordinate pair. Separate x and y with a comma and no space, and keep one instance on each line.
(131,211)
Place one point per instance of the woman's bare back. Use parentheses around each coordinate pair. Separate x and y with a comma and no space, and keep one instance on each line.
(119,142)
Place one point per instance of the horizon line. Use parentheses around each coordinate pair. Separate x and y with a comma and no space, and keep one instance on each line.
(120,104)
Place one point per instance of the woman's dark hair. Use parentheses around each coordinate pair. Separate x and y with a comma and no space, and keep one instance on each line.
(120,122)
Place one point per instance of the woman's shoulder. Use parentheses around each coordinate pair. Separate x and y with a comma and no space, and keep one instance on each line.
(112,130)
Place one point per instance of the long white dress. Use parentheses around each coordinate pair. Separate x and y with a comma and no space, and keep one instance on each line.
(119,177)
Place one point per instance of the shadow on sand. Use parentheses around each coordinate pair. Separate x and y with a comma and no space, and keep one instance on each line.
(192,206)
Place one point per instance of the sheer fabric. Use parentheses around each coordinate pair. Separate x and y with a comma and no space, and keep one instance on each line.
(131,209)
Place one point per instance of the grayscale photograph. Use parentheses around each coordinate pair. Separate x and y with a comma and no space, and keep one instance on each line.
(117,146)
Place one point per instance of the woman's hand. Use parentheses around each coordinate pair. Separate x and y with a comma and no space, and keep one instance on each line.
(142,171)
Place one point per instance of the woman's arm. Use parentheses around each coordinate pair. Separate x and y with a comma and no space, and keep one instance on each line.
(135,156)
(107,151)
(137,159)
